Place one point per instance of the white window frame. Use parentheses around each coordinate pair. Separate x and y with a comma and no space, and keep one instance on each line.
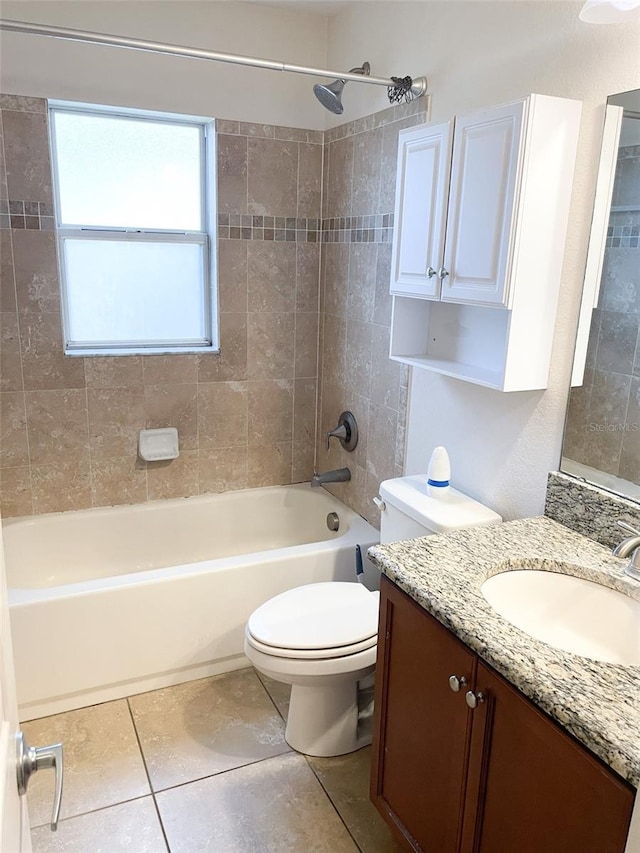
(206,237)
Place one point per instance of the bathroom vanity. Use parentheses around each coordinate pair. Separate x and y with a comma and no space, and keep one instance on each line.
(487,739)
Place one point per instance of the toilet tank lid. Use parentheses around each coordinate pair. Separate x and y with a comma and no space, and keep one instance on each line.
(447,512)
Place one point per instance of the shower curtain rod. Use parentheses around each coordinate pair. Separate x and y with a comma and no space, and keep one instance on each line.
(419,86)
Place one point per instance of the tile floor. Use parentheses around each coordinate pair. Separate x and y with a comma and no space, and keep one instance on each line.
(201,767)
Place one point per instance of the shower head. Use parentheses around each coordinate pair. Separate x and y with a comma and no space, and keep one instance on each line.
(330,96)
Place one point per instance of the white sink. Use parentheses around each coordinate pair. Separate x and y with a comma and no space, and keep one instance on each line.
(570,613)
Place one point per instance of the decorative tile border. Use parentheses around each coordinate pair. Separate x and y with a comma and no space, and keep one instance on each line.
(375,228)
(30,215)
(588,509)
(269,131)
(419,107)
(626,234)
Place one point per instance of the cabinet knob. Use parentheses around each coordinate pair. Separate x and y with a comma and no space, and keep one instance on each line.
(442,273)
(431,272)
(456,683)
(474,699)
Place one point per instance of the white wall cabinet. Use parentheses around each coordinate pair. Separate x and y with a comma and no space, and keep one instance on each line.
(481,216)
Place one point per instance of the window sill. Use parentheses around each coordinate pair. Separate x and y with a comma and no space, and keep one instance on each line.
(90,353)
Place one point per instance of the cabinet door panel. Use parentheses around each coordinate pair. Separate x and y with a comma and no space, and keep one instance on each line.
(424,158)
(422,727)
(481,206)
(540,790)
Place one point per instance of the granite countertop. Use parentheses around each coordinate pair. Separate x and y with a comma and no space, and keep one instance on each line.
(599,703)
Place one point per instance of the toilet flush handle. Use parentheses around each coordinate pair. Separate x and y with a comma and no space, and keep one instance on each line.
(380,504)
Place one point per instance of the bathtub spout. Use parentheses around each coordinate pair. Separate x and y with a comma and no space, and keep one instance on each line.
(340,475)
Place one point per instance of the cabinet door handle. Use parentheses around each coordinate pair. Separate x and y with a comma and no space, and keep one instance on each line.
(474,699)
(431,272)
(456,683)
(442,273)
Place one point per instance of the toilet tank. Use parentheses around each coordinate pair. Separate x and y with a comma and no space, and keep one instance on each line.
(410,511)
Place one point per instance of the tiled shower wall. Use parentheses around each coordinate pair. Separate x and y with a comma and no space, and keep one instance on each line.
(356,372)
(603,421)
(246,417)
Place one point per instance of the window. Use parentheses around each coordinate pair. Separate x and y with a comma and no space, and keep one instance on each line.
(135,218)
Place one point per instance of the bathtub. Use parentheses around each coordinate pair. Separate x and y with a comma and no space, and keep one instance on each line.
(109,602)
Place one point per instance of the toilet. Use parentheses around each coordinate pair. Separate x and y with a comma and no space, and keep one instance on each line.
(321,638)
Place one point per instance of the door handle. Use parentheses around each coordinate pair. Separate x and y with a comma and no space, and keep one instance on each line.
(30,759)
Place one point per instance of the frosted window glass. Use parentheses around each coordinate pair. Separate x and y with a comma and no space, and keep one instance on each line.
(124,291)
(128,173)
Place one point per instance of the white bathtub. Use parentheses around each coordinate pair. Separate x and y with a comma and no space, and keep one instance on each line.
(109,602)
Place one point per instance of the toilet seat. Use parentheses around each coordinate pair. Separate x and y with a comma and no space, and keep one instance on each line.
(323,620)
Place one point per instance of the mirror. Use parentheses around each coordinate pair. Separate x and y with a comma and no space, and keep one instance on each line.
(602,431)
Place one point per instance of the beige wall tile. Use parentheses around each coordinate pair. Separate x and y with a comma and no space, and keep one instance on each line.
(15,492)
(27,155)
(3,169)
(116,415)
(36,272)
(309,180)
(295,816)
(175,479)
(272,178)
(385,374)
(118,481)
(231,362)
(264,131)
(303,461)
(61,486)
(222,414)
(205,727)
(366,172)
(10,361)
(14,446)
(293,134)
(23,103)
(103,765)
(58,426)
(44,363)
(308,276)
(383,301)
(271,276)
(173,368)
(381,451)
(362,281)
(336,278)
(340,178)
(270,411)
(334,366)
(269,465)
(232,275)
(232,173)
(7,281)
(304,411)
(306,362)
(122,371)
(358,356)
(173,406)
(223,470)
(270,346)
(132,826)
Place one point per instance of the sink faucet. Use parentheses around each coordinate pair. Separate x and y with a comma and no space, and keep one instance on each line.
(340,475)
(629,547)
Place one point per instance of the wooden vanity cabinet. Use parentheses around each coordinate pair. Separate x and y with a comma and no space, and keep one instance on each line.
(500,778)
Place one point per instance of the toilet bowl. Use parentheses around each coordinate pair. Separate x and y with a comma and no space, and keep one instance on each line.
(321,638)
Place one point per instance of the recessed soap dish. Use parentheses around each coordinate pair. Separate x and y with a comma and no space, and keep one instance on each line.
(156,445)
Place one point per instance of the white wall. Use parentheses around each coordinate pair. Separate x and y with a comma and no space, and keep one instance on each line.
(34,65)
(476,54)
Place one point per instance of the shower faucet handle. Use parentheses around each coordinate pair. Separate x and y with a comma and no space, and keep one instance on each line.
(346,432)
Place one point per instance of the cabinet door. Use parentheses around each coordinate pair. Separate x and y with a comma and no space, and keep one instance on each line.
(539,789)
(422,182)
(482,199)
(422,728)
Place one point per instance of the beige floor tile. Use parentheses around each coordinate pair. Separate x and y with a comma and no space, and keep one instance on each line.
(205,727)
(346,780)
(127,828)
(102,761)
(274,806)
(279,692)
